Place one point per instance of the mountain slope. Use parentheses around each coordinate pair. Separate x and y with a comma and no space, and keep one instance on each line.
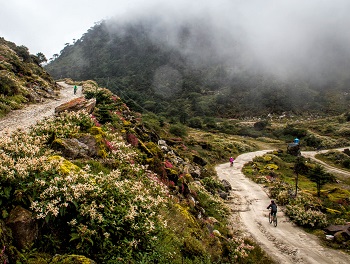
(22,79)
(182,71)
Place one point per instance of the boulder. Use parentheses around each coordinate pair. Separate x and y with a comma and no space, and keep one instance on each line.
(33,97)
(199,160)
(226,185)
(341,236)
(24,227)
(73,148)
(90,142)
(347,151)
(71,259)
(77,104)
(332,229)
(223,195)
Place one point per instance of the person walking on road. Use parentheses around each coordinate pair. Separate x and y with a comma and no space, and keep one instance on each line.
(75,89)
(231,161)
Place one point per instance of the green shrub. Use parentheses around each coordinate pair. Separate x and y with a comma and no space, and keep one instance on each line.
(261,125)
(178,130)
(195,122)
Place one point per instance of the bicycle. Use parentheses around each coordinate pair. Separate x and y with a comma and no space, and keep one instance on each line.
(273,218)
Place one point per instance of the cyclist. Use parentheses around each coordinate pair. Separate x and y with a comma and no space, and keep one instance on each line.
(273,208)
(231,161)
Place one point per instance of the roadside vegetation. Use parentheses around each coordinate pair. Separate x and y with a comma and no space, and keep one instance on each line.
(318,200)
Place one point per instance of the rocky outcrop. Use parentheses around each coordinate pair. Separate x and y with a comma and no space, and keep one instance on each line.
(226,185)
(24,227)
(199,160)
(75,148)
(341,233)
(77,104)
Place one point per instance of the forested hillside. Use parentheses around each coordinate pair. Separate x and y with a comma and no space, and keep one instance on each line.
(182,71)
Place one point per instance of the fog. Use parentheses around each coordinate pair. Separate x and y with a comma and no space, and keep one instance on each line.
(290,38)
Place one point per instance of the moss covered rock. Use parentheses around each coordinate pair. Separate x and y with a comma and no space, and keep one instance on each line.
(71,259)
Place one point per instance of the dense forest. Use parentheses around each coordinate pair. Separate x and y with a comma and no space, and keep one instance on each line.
(181,73)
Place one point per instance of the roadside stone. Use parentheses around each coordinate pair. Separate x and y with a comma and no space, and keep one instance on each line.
(24,227)
(77,104)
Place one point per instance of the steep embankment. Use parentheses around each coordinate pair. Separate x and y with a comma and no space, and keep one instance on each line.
(30,115)
(286,243)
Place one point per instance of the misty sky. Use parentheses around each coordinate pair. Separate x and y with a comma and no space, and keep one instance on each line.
(274,32)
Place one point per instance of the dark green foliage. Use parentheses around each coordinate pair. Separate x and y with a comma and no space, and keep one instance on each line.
(8,86)
(212,185)
(261,125)
(300,166)
(195,122)
(178,130)
(291,130)
(312,141)
(320,177)
(347,115)
(346,163)
(210,123)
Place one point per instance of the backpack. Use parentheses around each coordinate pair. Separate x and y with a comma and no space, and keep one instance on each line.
(274,207)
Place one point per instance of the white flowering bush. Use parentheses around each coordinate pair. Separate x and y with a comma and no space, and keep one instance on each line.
(307,218)
(111,214)
(239,248)
(64,125)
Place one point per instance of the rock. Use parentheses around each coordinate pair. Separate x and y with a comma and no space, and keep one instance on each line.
(199,160)
(33,97)
(71,148)
(196,173)
(91,143)
(329,237)
(341,236)
(332,229)
(162,142)
(226,185)
(216,233)
(347,151)
(77,104)
(24,227)
(223,195)
(71,259)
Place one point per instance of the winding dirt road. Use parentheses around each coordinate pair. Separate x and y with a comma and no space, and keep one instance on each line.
(312,154)
(285,243)
(30,115)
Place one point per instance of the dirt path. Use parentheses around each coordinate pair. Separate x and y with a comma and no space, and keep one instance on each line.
(312,154)
(285,243)
(31,114)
